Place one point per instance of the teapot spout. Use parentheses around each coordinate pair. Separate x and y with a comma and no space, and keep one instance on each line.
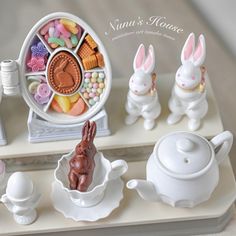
(145,189)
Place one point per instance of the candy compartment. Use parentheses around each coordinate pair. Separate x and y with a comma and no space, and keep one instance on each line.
(89,53)
(61,32)
(37,56)
(39,89)
(73,105)
(93,86)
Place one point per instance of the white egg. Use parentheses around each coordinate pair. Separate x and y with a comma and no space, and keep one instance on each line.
(19,186)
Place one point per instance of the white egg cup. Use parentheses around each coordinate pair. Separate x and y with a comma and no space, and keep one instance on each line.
(21,198)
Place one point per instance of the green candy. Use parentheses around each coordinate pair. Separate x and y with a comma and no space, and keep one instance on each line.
(74,39)
(57,41)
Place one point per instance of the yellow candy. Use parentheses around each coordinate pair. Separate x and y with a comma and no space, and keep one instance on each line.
(67,22)
(74,98)
(72,29)
(63,102)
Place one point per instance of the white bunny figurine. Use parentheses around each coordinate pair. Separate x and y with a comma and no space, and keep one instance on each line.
(142,98)
(189,93)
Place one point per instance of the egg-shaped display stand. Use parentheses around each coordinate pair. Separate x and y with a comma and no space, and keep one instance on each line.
(64,76)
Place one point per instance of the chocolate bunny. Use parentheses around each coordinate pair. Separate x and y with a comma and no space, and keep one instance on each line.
(82,163)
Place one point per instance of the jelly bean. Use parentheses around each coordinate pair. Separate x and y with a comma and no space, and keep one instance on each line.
(40,100)
(78,108)
(86,95)
(91,95)
(44,30)
(63,30)
(101,85)
(79,34)
(87,75)
(56,41)
(94,74)
(67,41)
(33,87)
(96,98)
(46,36)
(54,45)
(74,98)
(51,32)
(67,22)
(88,90)
(87,80)
(93,80)
(74,40)
(43,90)
(64,102)
(91,102)
(73,30)
(90,85)
(99,90)
(95,85)
(101,75)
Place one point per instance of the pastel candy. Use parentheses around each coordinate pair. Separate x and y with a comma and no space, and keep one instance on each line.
(56,41)
(43,90)
(91,102)
(94,75)
(101,75)
(40,100)
(86,95)
(91,95)
(96,98)
(63,30)
(88,75)
(99,90)
(90,85)
(74,40)
(74,98)
(93,80)
(51,31)
(78,108)
(101,85)
(44,30)
(95,85)
(63,102)
(55,106)
(67,22)
(33,87)
(87,80)
(67,41)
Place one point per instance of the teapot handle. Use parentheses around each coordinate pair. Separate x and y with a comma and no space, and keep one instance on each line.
(222,144)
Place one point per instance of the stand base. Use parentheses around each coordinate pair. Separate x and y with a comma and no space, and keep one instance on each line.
(3,140)
(41,130)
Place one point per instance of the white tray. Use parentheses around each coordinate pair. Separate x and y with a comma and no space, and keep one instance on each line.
(210,216)
(14,115)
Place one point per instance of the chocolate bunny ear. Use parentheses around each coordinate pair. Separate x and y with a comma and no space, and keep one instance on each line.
(85,130)
(92,131)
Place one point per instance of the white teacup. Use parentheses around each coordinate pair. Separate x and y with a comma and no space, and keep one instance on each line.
(104,171)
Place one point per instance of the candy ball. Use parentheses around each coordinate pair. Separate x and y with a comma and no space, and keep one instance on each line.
(94,90)
(99,90)
(87,80)
(88,90)
(86,95)
(94,75)
(101,75)
(87,75)
(95,85)
(96,98)
(90,85)
(91,95)
(101,85)
(93,80)
(91,102)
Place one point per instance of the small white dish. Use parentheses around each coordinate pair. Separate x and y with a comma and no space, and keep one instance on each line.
(111,200)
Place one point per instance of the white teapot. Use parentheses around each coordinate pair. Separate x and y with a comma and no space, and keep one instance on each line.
(183,169)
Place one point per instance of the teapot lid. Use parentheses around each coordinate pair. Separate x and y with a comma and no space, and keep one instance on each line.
(183,152)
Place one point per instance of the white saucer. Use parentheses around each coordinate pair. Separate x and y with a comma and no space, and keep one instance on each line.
(111,200)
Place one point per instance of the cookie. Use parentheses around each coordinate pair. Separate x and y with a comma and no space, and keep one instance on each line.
(100,59)
(85,51)
(90,62)
(91,42)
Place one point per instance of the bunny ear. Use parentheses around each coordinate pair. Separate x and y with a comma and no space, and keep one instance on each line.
(139,57)
(92,131)
(200,52)
(149,63)
(188,48)
(85,130)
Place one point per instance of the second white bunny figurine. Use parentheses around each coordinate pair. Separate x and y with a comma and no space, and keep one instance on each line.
(189,93)
(142,98)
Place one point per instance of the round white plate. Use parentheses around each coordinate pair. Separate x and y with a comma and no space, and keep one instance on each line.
(111,200)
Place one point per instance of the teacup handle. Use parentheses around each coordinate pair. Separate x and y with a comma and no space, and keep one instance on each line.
(118,168)
(224,142)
